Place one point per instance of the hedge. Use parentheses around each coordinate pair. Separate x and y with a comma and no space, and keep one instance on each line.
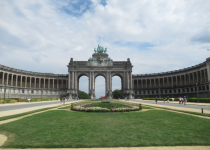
(8,100)
(190,99)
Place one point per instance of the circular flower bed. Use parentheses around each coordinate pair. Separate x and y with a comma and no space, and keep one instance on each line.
(104,106)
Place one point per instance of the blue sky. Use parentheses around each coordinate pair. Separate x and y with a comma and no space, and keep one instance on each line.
(157,35)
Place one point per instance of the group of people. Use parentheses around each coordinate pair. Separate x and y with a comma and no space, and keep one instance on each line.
(180,99)
(64,99)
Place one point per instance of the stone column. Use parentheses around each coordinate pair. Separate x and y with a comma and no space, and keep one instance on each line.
(124,81)
(69,83)
(12,80)
(72,79)
(30,82)
(57,83)
(110,84)
(201,76)
(137,84)
(150,84)
(204,75)
(21,81)
(44,83)
(181,79)
(62,84)
(34,82)
(53,83)
(93,81)
(185,81)
(163,82)
(159,81)
(197,76)
(189,78)
(39,82)
(7,78)
(127,80)
(49,84)
(75,80)
(131,81)
(176,81)
(141,83)
(155,82)
(25,81)
(193,78)
(172,81)
(146,83)
(2,78)
(90,81)
(167,82)
(16,80)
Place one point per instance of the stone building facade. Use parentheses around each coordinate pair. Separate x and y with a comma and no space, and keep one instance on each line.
(184,82)
(27,84)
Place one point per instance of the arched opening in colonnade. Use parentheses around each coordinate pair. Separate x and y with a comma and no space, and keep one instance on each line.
(83,84)
(100,86)
(117,84)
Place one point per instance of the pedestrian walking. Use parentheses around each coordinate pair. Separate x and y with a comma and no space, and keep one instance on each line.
(156,99)
(167,99)
(164,99)
(64,100)
(29,100)
(61,102)
(179,99)
(185,100)
(172,99)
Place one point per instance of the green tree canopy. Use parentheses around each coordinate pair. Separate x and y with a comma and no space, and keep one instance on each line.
(116,93)
(83,95)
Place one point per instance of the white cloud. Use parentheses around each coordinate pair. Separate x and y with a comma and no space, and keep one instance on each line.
(41,37)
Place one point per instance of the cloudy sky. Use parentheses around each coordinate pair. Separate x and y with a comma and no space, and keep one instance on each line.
(157,35)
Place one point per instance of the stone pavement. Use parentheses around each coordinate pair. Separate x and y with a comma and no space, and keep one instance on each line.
(175,108)
(176,102)
(23,110)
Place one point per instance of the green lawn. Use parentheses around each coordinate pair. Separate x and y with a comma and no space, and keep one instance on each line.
(67,129)
(103,105)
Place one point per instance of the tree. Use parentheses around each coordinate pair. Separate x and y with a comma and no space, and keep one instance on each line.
(116,93)
(83,95)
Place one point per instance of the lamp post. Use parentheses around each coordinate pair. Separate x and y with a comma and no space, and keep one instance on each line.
(197,92)
(5,92)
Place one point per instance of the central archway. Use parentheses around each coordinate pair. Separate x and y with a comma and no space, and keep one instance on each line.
(100,65)
(100,86)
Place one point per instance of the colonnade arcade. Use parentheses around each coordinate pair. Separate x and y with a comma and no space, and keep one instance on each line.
(100,65)
(31,82)
(173,80)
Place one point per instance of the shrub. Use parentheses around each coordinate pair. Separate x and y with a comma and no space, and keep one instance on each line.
(90,110)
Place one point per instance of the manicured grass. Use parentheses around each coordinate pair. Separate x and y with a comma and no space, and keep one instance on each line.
(118,105)
(67,129)
(103,105)
(23,114)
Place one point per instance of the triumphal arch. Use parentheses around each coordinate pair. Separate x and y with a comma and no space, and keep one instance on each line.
(100,64)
